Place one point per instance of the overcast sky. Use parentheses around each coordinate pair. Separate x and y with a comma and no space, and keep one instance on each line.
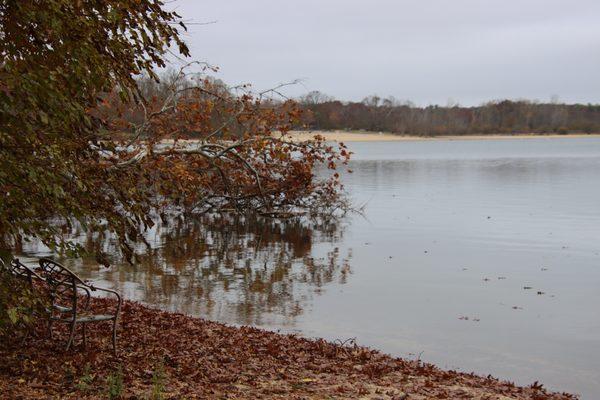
(427,51)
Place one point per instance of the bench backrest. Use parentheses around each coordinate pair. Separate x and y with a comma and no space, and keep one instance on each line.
(20,270)
(61,282)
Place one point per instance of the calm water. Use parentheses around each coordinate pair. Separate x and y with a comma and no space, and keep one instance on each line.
(475,255)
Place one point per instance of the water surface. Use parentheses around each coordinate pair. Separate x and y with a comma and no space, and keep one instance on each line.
(475,255)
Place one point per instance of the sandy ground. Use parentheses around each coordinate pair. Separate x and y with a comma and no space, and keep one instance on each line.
(344,136)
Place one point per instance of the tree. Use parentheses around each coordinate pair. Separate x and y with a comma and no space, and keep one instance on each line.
(315,97)
(507,116)
(58,57)
(82,142)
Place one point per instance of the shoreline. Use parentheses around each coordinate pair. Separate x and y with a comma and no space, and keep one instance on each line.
(349,136)
(196,359)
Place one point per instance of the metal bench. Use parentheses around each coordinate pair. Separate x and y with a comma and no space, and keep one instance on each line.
(65,290)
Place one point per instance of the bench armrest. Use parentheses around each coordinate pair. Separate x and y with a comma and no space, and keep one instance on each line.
(119,299)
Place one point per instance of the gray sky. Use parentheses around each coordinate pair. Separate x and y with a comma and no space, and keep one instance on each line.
(427,51)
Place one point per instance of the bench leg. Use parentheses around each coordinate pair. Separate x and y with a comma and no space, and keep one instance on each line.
(84,337)
(114,336)
(71,335)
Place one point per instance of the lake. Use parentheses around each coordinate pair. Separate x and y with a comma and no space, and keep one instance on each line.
(477,255)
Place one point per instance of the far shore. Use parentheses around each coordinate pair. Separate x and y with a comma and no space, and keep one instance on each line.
(361,136)
(364,136)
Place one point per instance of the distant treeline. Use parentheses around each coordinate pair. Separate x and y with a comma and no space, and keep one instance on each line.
(404,118)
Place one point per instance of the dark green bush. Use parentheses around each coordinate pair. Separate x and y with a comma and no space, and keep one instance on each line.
(20,303)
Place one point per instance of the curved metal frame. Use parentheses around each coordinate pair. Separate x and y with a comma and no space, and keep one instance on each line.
(20,270)
(64,285)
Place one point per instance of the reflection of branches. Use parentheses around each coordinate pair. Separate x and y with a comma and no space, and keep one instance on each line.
(227,266)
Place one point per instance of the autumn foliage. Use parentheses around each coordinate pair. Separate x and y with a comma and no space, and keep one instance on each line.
(90,136)
(84,138)
(203,146)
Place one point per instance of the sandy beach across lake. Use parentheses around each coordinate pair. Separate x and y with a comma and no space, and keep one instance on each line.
(349,136)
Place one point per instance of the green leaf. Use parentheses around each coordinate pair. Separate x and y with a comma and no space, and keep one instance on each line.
(13,315)
(43,117)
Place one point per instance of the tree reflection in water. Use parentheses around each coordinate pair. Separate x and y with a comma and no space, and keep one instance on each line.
(231,268)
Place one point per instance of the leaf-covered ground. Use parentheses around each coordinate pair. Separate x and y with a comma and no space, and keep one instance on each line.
(172,356)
